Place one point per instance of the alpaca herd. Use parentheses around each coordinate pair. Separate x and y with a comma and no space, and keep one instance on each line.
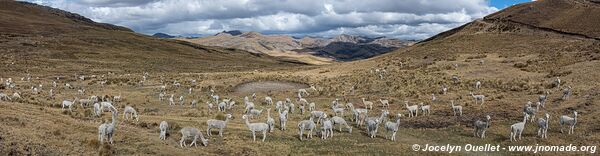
(317,120)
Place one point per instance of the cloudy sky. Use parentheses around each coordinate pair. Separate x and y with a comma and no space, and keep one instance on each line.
(406,19)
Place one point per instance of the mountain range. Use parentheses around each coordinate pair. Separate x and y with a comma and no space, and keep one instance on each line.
(313,50)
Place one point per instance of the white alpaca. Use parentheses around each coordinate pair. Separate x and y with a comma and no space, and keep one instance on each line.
(209,105)
(163,130)
(194,103)
(543,124)
(340,121)
(478,98)
(118,98)
(5,97)
(67,103)
(566,120)
(268,100)
(367,104)
(129,112)
(303,92)
(306,125)
(161,96)
(181,100)
(256,127)
(191,133)
(518,128)
(393,127)
(282,119)
(222,105)
(481,127)
(220,124)
(542,99)
(385,103)
(255,113)
(108,129)
(456,109)
(372,126)
(270,120)
(107,105)
(478,85)
(171,100)
(97,109)
(411,109)
(327,129)
(318,115)
(425,109)
(16,96)
(444,89)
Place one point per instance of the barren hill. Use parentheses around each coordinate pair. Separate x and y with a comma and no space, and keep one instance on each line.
(38,38)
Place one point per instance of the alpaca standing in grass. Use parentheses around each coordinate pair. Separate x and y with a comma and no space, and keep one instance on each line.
(566,93)
(557,82)
(542,99)
(518,128)
(268,100)
(566,120)
(282,119)
(327,129)
(270,120)
(171,100)
(543,124)
(306,125)
(303,92)
(425,109)
(481,127)
(69,104)
(97,109)
(531,111)
(411,109)
(393,127)
(385,103)
(456,109)
(372,126)
(478,98)
(319,115)
(209,105)
(220,124)
(444,89)
(256,127)
(367,104)
(163,130)
(108,129)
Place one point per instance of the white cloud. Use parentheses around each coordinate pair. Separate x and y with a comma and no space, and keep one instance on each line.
(398,18)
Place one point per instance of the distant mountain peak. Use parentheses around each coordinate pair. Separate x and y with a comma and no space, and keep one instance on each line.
(163,35)
(351,39)
(232,33)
